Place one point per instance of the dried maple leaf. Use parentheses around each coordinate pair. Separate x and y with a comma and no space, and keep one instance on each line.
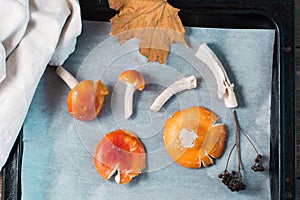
(155,22)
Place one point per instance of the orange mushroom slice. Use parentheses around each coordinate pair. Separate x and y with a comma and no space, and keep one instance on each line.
(134,81)
(85,98)
(122,152)
(192,138)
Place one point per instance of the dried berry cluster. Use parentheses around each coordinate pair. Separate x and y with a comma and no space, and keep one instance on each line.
(233,180)
(258,166)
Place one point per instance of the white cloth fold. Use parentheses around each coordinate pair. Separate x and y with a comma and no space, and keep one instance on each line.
(33,33)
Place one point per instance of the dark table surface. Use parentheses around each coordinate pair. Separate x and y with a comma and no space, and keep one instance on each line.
(298,92)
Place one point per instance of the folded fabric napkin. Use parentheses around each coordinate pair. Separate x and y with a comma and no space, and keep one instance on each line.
(33,33)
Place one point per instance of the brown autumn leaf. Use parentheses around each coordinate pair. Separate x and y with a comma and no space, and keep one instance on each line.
(155,22)
(117,4)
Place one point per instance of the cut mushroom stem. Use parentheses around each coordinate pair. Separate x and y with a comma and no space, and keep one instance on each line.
(68,78)
(225,88)
(229,96)
(128,100)
(178,86)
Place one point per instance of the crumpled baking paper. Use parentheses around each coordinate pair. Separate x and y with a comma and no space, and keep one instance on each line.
(33,33)
(58,150)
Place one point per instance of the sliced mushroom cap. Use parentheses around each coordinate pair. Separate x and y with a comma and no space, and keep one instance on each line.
(85,100)
(133,77)
(192,138)
(122,152)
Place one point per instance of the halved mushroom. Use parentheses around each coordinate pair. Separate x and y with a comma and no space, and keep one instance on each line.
(122,152)
(85,99)
(191,137)
(134,81)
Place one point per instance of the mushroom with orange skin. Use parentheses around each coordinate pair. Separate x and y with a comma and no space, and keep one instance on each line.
(85,98)
(122,152)
(192,138)
(134,81)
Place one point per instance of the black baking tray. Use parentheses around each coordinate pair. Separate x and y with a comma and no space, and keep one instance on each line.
(249,14)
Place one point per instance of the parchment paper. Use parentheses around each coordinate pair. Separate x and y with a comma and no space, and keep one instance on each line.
(58,150)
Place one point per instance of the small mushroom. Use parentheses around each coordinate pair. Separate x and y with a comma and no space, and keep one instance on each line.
(134,81)
(122,152)
(178,86)
(85,98)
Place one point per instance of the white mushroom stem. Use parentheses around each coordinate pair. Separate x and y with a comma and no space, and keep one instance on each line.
(229,96)
(225,88)
(177,86)
(128,100)
(113,171)
(118,177)
(69,79)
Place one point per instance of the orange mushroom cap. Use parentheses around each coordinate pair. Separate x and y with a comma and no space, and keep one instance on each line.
(133,77)
(119,150)
(191,137)
(85,100)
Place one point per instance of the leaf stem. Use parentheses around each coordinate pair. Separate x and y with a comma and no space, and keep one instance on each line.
(237,139)
(245,134)
(229,155)
(241,131)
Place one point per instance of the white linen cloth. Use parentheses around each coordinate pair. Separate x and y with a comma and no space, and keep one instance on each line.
(33,33)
